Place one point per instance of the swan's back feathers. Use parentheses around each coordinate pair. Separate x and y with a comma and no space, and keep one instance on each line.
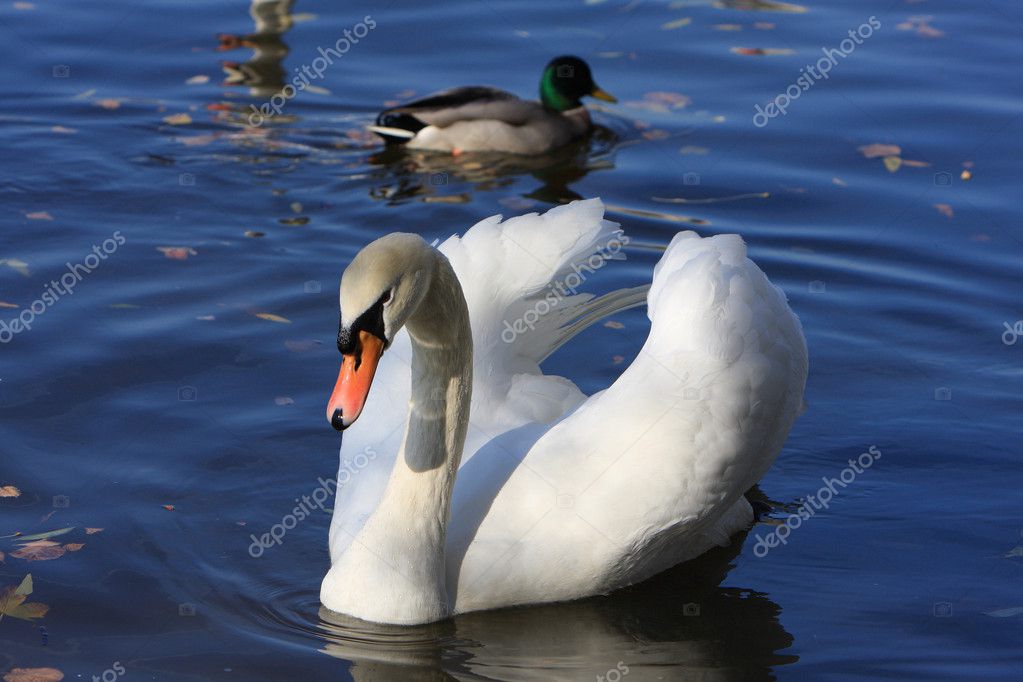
(652,471)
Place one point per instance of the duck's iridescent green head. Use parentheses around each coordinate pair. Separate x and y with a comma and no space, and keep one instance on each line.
(566,80)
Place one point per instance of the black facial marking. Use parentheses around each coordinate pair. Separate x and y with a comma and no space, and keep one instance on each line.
(371,321)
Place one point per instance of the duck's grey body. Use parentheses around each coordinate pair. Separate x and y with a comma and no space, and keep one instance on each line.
(481,119)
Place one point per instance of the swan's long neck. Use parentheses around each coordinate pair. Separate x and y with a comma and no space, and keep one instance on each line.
(407,531)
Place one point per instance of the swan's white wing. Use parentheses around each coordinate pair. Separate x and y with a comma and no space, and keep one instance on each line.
(508,271)
(651,471)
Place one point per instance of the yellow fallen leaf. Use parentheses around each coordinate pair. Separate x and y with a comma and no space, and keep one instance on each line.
(18,265)
(108,104)
(177,119)
(9,490)
(39,215)
(678,23)
(273,318)
(872,151)
(892,163)
(34,675)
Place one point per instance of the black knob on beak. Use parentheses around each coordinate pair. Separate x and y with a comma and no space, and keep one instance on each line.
(337,420)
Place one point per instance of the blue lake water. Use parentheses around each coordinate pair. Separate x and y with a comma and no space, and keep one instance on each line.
(885,202)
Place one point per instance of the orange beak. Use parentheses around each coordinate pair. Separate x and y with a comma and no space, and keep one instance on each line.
(353,382)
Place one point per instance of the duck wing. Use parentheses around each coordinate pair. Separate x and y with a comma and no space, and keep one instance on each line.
(442,109)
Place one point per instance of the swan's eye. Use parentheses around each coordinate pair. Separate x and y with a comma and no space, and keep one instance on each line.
(386,298)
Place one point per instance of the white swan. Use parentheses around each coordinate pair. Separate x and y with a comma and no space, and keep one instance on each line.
(558,496)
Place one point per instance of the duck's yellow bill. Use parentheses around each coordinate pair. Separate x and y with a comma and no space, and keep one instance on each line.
(601,94)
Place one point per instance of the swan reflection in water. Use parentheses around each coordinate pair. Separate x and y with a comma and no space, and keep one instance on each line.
(407,174)
(680,624)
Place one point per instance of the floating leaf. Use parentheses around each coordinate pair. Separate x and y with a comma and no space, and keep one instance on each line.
(611,324)
(727,27)
(255,234)
(177,252)
(762,51)
(169,507)
(198,80)
(74,546)
(177,119)
(108,104)
(448,199)
(284,400)
(63,130)
(18,265)
(965,175)
(40,550)
(678,23)
(872,151)
(34,675)
(273,318)
(617,360)
(92,531)
(39,215)
(945,209)
(915,164)
(206,318)
(299,220)
(296,207)
(9,490)
(892,163)
(2,557)
(47,535)
(1005,613)
(5,304)
(25,588)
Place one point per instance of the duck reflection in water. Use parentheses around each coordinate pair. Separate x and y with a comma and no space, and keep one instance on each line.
(682,619)
(407,174)
(264,72)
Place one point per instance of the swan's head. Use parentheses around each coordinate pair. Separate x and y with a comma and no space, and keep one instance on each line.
(380,289)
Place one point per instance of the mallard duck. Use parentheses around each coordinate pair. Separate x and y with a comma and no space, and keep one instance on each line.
(473,480)
(484,119)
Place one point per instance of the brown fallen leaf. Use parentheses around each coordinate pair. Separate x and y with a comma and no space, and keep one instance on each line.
(74,546)
(612,324)
(2,557)
(915,164)
(762,51)
(273,318)
(92,531)
(255,234)
(617,359)
(177,252)
(9,490)
(64,130)
(872,151)
(945,210)
(169,507)
(298,220)
(39,550)
(34,675)
(108,104)
(5,304)
(39,215)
